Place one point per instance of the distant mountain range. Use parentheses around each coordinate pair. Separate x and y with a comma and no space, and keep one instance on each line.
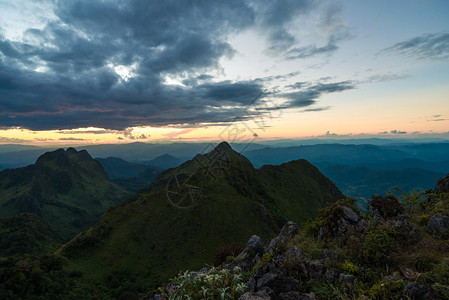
(429,158)
(68,188)
(189,211)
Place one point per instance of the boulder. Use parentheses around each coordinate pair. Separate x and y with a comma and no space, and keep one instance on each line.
(278,283)
(350,215)
(287,233)
(442,185)
(254,243)
(438,223)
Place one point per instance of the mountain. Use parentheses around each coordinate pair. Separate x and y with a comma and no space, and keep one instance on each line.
(362,182)
(27,233)
(119,168)
(325,154)
(134,184)
(17,147)
(165,161)
(68,188)
(179,221)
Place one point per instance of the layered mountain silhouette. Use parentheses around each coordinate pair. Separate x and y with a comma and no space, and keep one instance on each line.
(187,212)
(68,188)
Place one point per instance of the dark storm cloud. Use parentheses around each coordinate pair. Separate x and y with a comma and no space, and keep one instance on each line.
(312,92)
(427,46)
(274,15)
(64,75)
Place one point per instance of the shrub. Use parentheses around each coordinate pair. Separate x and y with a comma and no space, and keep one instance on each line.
(387,206)
(223,252)
(350,268)
(329,217)
(377,243)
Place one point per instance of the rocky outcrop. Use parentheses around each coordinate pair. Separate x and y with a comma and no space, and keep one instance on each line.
(442,185)
(438,223)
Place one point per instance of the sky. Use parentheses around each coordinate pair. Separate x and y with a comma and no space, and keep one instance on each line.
(118,71)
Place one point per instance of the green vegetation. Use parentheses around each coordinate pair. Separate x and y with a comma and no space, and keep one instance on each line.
(213,284)
(151,238)
(383,256)
(67,188)
(27,233)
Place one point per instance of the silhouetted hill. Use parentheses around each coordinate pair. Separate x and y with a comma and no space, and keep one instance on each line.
(181,219)
(68,188)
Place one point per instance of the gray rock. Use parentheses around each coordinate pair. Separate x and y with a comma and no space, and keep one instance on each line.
(287,233)
(418,291)
(278,283)
(296,296)
(315,270)
(255,243)
(346,277)
(363,224)
(350,215)
(261,295)
(438,223)
(289,229)
(331,275)
(442,185)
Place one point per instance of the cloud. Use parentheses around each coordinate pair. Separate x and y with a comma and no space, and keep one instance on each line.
(71,139)
(64,75)
(397,132)
(427,46)
(385,77)
(317,109)
(66,78)
(311,50)
(12,140)
(174,134)
(274,16)
(310,94)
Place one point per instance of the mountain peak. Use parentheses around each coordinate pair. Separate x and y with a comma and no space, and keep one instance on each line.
(71,150)
(223,146)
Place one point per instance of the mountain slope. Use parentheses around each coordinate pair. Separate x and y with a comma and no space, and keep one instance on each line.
(67,188)
(27,233)
(181,219)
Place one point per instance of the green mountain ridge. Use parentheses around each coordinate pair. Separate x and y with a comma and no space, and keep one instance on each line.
(179,221)
(27,234)
(66,187)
